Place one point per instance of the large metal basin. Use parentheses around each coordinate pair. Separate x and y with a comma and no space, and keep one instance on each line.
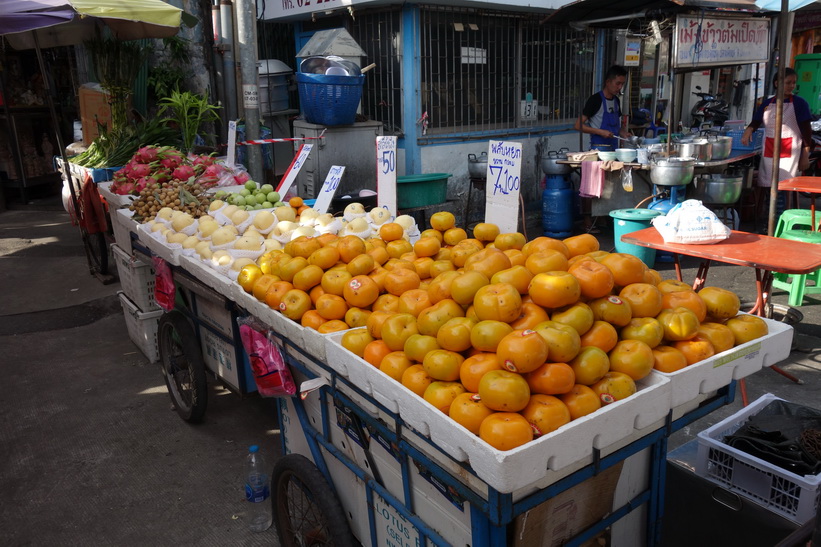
(700,149)
(721,147)
(718,189)
(550,163)
(477,165)
(672,171)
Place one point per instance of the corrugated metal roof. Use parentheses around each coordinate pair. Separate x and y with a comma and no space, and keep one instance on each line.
(595,11)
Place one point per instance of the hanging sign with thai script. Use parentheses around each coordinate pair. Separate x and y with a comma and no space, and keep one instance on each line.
(504,167)
(708,41)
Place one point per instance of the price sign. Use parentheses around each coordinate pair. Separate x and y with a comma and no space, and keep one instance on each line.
(232,143)
(323,200)
(293,169)
(504,166)
(386,173)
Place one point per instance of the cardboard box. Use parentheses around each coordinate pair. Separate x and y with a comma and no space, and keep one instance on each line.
(562,517)
(94,108)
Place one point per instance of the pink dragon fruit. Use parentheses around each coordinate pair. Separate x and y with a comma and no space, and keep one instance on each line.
(242,178)
(139,170)
(144,182)
(124,189)
(203,160)
(147,154)
(183,172)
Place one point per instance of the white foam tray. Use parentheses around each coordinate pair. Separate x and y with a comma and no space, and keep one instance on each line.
(157,248)
(270,317)
(206,274)
(734,364)
(507,471)
(114,200)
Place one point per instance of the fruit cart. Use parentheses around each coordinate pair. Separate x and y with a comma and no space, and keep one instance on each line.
(367,461)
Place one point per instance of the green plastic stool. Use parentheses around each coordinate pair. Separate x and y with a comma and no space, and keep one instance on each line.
(791,218)
(796,285)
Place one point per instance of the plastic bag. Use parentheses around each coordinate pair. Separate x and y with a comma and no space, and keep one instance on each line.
(271,374)
(165,292)
(691,222)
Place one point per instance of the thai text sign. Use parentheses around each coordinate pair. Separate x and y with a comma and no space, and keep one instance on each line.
(504,166)
(720,41)
(323,200)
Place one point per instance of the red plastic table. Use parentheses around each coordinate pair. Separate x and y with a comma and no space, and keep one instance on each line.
(804,184)
(764,253)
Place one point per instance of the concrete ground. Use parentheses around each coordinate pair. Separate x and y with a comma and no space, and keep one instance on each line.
(94,454)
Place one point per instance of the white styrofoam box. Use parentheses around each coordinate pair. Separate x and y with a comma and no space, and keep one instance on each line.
(157,247)
(123,224)
(136,278)
(507,471)
(205,274)
(794,496)
(114,200)
(142,327)
(272,318)
(734,364)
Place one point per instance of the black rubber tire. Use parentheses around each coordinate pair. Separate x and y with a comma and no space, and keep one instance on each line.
(97,251)
(306,509)
(182,366)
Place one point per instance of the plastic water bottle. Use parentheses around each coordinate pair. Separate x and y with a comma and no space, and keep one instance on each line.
(257,491)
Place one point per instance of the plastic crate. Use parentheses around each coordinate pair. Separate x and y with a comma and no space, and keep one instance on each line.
(137,280)
(782,492)
(421,190)
(736,134)
(142,327)
(329,100)
(123,225)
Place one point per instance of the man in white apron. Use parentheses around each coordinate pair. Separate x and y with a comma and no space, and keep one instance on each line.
(796,133)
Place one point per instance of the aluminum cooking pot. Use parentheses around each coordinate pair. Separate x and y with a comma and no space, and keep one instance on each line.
(477,165)
(700,149)
(721,147)
(550,165)
(718,189)
(672,171)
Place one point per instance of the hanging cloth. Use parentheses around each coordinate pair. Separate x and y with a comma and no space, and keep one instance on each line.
(790,145)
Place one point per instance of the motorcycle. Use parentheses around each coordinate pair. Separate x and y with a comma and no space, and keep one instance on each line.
(710,109)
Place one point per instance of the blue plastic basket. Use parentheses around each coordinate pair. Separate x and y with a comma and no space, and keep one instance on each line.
(755,144)
(329,100)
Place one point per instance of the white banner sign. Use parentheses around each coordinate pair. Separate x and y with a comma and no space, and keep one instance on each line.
(720,41)
(293,169)
(231,160)
(323,200)
(504,166)
(386,173)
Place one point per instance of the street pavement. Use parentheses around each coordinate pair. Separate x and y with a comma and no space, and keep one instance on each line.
(92,451)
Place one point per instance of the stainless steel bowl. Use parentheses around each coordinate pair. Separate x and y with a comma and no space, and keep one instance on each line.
(672,171)
(718,189)
(700,149)
(477,165)
(721,147)
(550,163)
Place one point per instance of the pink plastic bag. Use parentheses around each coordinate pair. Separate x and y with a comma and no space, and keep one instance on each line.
(272,375)
(165,292)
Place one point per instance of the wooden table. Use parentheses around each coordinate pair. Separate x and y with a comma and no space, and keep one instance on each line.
(764,253)
(804,184)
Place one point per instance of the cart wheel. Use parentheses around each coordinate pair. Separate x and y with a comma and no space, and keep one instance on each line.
(97,251)
(307,510)
(182,366)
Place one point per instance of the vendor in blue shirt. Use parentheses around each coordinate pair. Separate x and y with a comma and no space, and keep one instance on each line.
(796,133)
(601,115)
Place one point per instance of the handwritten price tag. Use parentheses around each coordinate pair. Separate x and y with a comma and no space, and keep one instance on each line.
(293,169)
(323,200)
(232,143)
(504,167)
(386,173)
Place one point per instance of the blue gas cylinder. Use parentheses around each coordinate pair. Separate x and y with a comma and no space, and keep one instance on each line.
(557,211)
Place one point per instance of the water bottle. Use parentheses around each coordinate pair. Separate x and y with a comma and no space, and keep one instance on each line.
(257,491)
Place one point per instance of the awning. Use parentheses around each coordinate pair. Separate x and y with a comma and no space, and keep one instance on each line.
(607,13)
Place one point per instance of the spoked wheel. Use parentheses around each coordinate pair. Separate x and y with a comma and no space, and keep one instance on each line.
(97,251)
(307,511)
(182,366)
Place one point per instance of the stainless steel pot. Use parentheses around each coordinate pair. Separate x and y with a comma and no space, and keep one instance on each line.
(700,149)
(718,189)
(672,171)
(477,165)
(550,165)
(721,147)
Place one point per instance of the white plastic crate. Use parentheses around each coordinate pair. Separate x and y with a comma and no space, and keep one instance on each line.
(136,278)
(142,327)
(734,364)
(123,225)
(508,471)
(793,496)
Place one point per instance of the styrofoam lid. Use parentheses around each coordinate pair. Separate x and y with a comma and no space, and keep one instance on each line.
(274,66)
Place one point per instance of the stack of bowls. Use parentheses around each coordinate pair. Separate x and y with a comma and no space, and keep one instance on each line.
(607,155)
(627,155)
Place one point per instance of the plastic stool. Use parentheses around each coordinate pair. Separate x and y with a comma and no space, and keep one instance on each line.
(796,285)
(791,218)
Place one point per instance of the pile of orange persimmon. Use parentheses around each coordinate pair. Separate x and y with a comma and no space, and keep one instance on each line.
(510,338)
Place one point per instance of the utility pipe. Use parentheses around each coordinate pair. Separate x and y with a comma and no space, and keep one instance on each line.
(247,48)
(783,36)
(229,74)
